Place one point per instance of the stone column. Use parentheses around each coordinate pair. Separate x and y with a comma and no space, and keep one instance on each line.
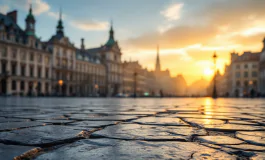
(43,87)
(26,86)
(9,87)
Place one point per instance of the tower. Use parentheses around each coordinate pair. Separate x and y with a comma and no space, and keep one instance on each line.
(111,40)
(60,31)
(30,23)
(157,68)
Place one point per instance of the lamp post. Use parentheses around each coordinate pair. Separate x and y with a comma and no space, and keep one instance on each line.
(135,87)
(60,82)
(96,89)
(214,81)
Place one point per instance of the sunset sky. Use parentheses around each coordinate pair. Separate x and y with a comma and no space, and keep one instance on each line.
(187,31)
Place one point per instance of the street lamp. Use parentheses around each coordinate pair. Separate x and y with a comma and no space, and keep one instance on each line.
(60,82)
(214,81)
(135,87)
(96,89)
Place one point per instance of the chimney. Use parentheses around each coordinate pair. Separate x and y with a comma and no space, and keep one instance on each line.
(13,15)
(82,44)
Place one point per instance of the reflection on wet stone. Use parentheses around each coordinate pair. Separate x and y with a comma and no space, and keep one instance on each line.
(149,132)
(161,121)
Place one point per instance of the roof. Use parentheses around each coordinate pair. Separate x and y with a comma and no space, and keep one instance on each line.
(85,56)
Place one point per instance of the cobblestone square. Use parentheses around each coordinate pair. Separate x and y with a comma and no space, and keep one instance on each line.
(143,128)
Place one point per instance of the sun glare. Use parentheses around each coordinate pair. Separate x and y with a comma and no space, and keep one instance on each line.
(208,72)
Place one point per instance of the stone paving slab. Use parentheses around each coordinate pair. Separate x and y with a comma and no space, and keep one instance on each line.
(255,137)
(95,117)
(92,124)
(8,152)
(219,140)
(234,127)
(161,121)
(3,119)
(39,136)
(149,132)
(17,125)
(122,150)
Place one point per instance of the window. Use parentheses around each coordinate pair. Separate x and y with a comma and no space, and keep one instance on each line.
(245,74)
(47,73)
(22,85)
(14,85)
(39,72)
(47,60)
(14,53)
(64,63)
(254,74)
(23,56)
(14,69)
(57,61)
(64,53)
(246,83)
(31,57)
(238,83)
(254,66)
(47,87)
(3,67)
(31,71)
(3,51)
(246,66)
(255,83)
(22,70)
(39,58)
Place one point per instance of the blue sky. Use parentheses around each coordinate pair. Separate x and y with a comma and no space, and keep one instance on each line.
(188,31)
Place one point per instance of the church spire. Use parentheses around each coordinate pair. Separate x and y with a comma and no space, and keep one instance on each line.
(111,40)
(60,24)
(157,60)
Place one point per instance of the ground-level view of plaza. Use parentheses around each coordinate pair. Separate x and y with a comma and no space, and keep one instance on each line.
(142,128)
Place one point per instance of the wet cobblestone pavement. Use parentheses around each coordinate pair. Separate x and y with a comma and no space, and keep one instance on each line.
(179,128)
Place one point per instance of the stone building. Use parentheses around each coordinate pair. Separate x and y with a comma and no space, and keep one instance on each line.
(244,74)
(90,73)
(29,66)
(25,60)
(262,69)
(110,56)
(164,82)
(134,75)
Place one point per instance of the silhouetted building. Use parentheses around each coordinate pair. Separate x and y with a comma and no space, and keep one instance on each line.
(244,76)
(164,81)
(181,85)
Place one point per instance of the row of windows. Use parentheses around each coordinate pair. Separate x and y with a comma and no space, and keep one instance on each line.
(246,75)
(30,85)
(23,70)
(246,66)
(24,56)
(90,69)
(247,83)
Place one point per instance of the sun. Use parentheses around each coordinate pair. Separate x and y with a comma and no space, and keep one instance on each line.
(208,72)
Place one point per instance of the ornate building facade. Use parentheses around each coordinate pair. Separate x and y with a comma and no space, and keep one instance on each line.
(29,66)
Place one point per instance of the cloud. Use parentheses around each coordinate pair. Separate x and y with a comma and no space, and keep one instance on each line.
(38,6)
(173,11)
(56,15)
(4,9)
(89,25)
